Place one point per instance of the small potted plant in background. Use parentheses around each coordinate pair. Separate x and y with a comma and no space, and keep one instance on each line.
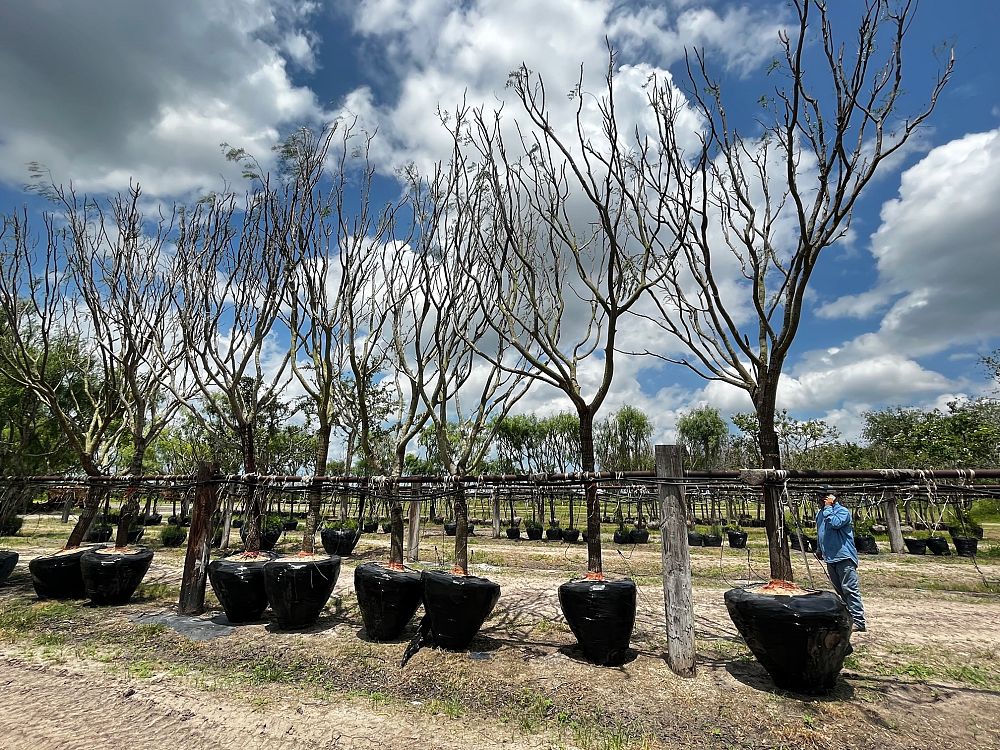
(533,529)
(553,533)
(340,537)
(173,535)
(864,538)
(737,536)
(713,536)
(916,542)
(514,528)
(966,533)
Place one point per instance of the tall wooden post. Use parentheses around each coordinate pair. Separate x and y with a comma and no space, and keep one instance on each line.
(192,599)
(496,513)
(892,521)
(413,530)
(677,597)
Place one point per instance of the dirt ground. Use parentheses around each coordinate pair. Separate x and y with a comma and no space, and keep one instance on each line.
(72,675)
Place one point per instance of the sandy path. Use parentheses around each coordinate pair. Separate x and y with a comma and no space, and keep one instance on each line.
(55,708)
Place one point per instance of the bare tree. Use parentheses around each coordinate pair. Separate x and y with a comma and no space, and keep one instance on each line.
(231,272)
(48,338)
(568,247)
(338,292)
(756,212)
(450,323)
(120,271)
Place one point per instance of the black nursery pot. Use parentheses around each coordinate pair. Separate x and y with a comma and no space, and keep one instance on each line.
(534,533)
(450,529)
(513,532)
(297,590)
(965,546)
(553,534)
(153,519)
(7,562)
(387,599)
(639,536)
(712,540)
(737,539)
(866,544)
(938,545)
(387,528)
(239,586)
(267,538)
(340,542)
(457,606)
(135,534)
(622,536)
(100,534)
(112,577)
(571,535)
(58,576)
(695,539)
(601,615)
(800,640)
(916,546)
(237,523)
(290,524)
(371,527)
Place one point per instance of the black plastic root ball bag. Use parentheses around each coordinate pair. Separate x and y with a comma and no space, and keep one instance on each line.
(340,542)
(58,576)
(457,606)
(7,562)
(238,582)
(111,577)
(387,599)
(298,588)
(801,640)
(601,615)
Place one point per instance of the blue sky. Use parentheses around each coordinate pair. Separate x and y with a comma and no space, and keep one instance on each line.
(105,92)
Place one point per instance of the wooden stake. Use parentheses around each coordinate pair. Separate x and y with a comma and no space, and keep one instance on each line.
(413,532)
(892,521)
(192,599)
(677,596)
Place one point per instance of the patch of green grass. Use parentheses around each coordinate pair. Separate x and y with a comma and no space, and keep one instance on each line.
(529,710)
(49,639)
(592,735)
(142,670)
(450,707)
(158,591)
(269,669)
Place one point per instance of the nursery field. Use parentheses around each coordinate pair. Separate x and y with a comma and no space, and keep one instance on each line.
(73,675)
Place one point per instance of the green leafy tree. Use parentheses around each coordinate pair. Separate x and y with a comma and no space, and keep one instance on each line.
(623,441)
(703,432)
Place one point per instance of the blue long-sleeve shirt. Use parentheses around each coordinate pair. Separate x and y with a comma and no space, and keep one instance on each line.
(835,534)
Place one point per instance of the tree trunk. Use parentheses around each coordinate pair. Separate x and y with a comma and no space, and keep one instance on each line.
(129,510)
(192,596)
(395,529)
(254,511)
(461,532)
(316,490)
(413,542)
(595,567)
(91,505)
(774,520)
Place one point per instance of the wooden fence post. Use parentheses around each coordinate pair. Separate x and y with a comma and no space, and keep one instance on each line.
(413,530)
(192,599)
(677,596)
(496,512)
(892,521)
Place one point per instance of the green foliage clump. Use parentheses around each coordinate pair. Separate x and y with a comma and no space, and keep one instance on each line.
(173,536)
(347,524)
